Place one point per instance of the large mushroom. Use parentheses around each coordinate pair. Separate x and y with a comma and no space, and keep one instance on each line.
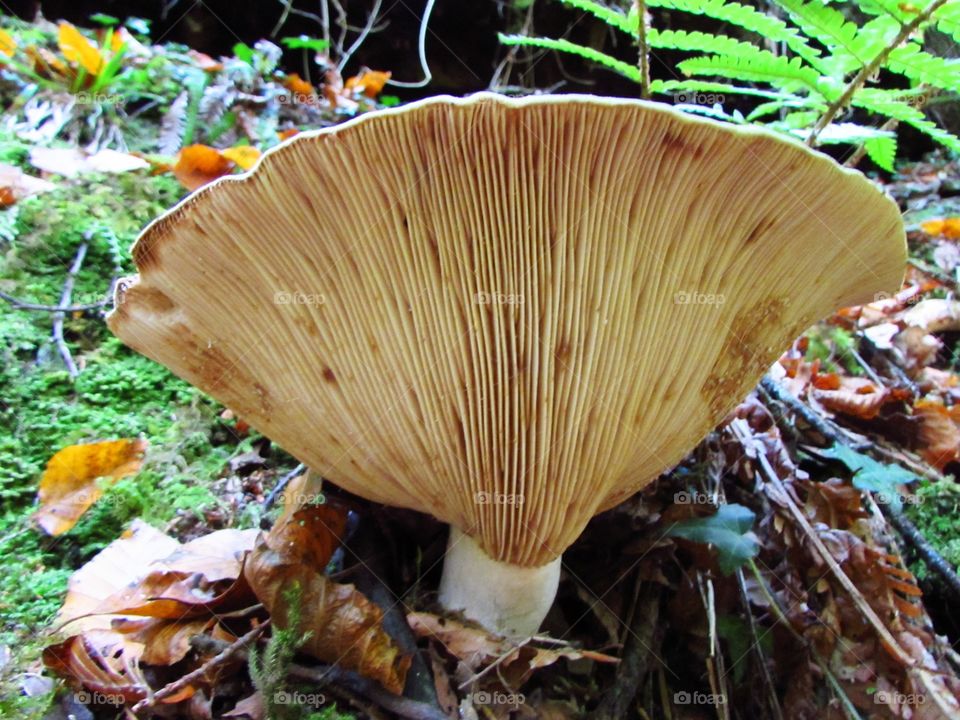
(510,314)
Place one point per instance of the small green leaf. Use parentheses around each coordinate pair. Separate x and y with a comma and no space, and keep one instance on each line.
(243,52)
(728,531)
(305,42)
(870,475)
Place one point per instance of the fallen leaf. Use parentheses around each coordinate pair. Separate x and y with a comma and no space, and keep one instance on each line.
(299,87)
(71,162)
(199,164)
(938,436)
(15,185)
(102,661)
(204,61)
(113,161)
(77,49)
(69,484)
(477,648)
(934,315)
(946,227)
(7,44)
(251,707)
(343,625)
(368,82)
(245,156)
(287,134)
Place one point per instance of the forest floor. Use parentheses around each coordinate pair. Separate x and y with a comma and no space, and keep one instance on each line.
(799,563)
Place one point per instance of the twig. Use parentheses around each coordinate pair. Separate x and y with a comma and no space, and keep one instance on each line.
(18,304)
(756,648)
(637,653)
(868,70)
(887,640)
(358,41)
(643,61)
(404,707)
(59,315)
(930,556)
(236,649)
(281,484)
(774,390)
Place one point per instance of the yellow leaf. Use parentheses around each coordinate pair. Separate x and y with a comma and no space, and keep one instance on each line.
(69,484)
(947,227)
(199,164)
(245,156)
(7,43)
(77,49)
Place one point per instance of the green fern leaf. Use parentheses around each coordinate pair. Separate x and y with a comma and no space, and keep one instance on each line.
(776,70)
(879,102)
(829,27)
(609,15)
(667,87)
(566,46)
(947,19)
(745,17)
(700,42)
(883,151)
(912,61)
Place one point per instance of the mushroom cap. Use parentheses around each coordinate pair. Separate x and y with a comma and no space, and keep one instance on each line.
(508,313)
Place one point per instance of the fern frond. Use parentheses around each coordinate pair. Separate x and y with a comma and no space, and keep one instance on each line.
(830,28)
(705,86)
(765,67)
(791,103)
(879,102)
(706,43)
(911,60)
(947,19)
(883,151)
(566,46)
(608,15)
(745,17)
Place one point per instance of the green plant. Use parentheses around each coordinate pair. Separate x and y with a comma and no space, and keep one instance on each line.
(821,65)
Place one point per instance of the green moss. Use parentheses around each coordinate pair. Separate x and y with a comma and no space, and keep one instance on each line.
(936,513)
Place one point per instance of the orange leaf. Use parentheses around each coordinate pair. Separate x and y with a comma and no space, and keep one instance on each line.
(945,227)
(199,164)
(77,49)
(938,435)
(7,43)
(245,156)
(104,662)
(69,484)
(368,82)
(300,87)
(287,134)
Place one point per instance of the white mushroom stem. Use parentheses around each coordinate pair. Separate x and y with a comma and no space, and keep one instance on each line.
(508,599)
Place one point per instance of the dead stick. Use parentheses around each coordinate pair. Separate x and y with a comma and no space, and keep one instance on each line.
(18,304)
(931,557)
(59,315)
(636,655)
(235,650)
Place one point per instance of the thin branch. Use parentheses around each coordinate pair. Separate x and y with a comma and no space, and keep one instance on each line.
(59,315)
(18,304)
(234,650)
(930,556)
(358,41)
(867,71)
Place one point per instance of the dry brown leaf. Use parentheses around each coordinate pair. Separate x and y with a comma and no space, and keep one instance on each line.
(251,707)
(69,484)
(477,648)
(103,662)
(851,395)
(938,436)
(71,162)
(345,627)
(934,315)
(199,164)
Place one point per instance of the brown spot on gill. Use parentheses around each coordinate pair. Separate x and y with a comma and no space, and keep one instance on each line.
(744,356)
(673,141)
(759,230)
(329,375)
